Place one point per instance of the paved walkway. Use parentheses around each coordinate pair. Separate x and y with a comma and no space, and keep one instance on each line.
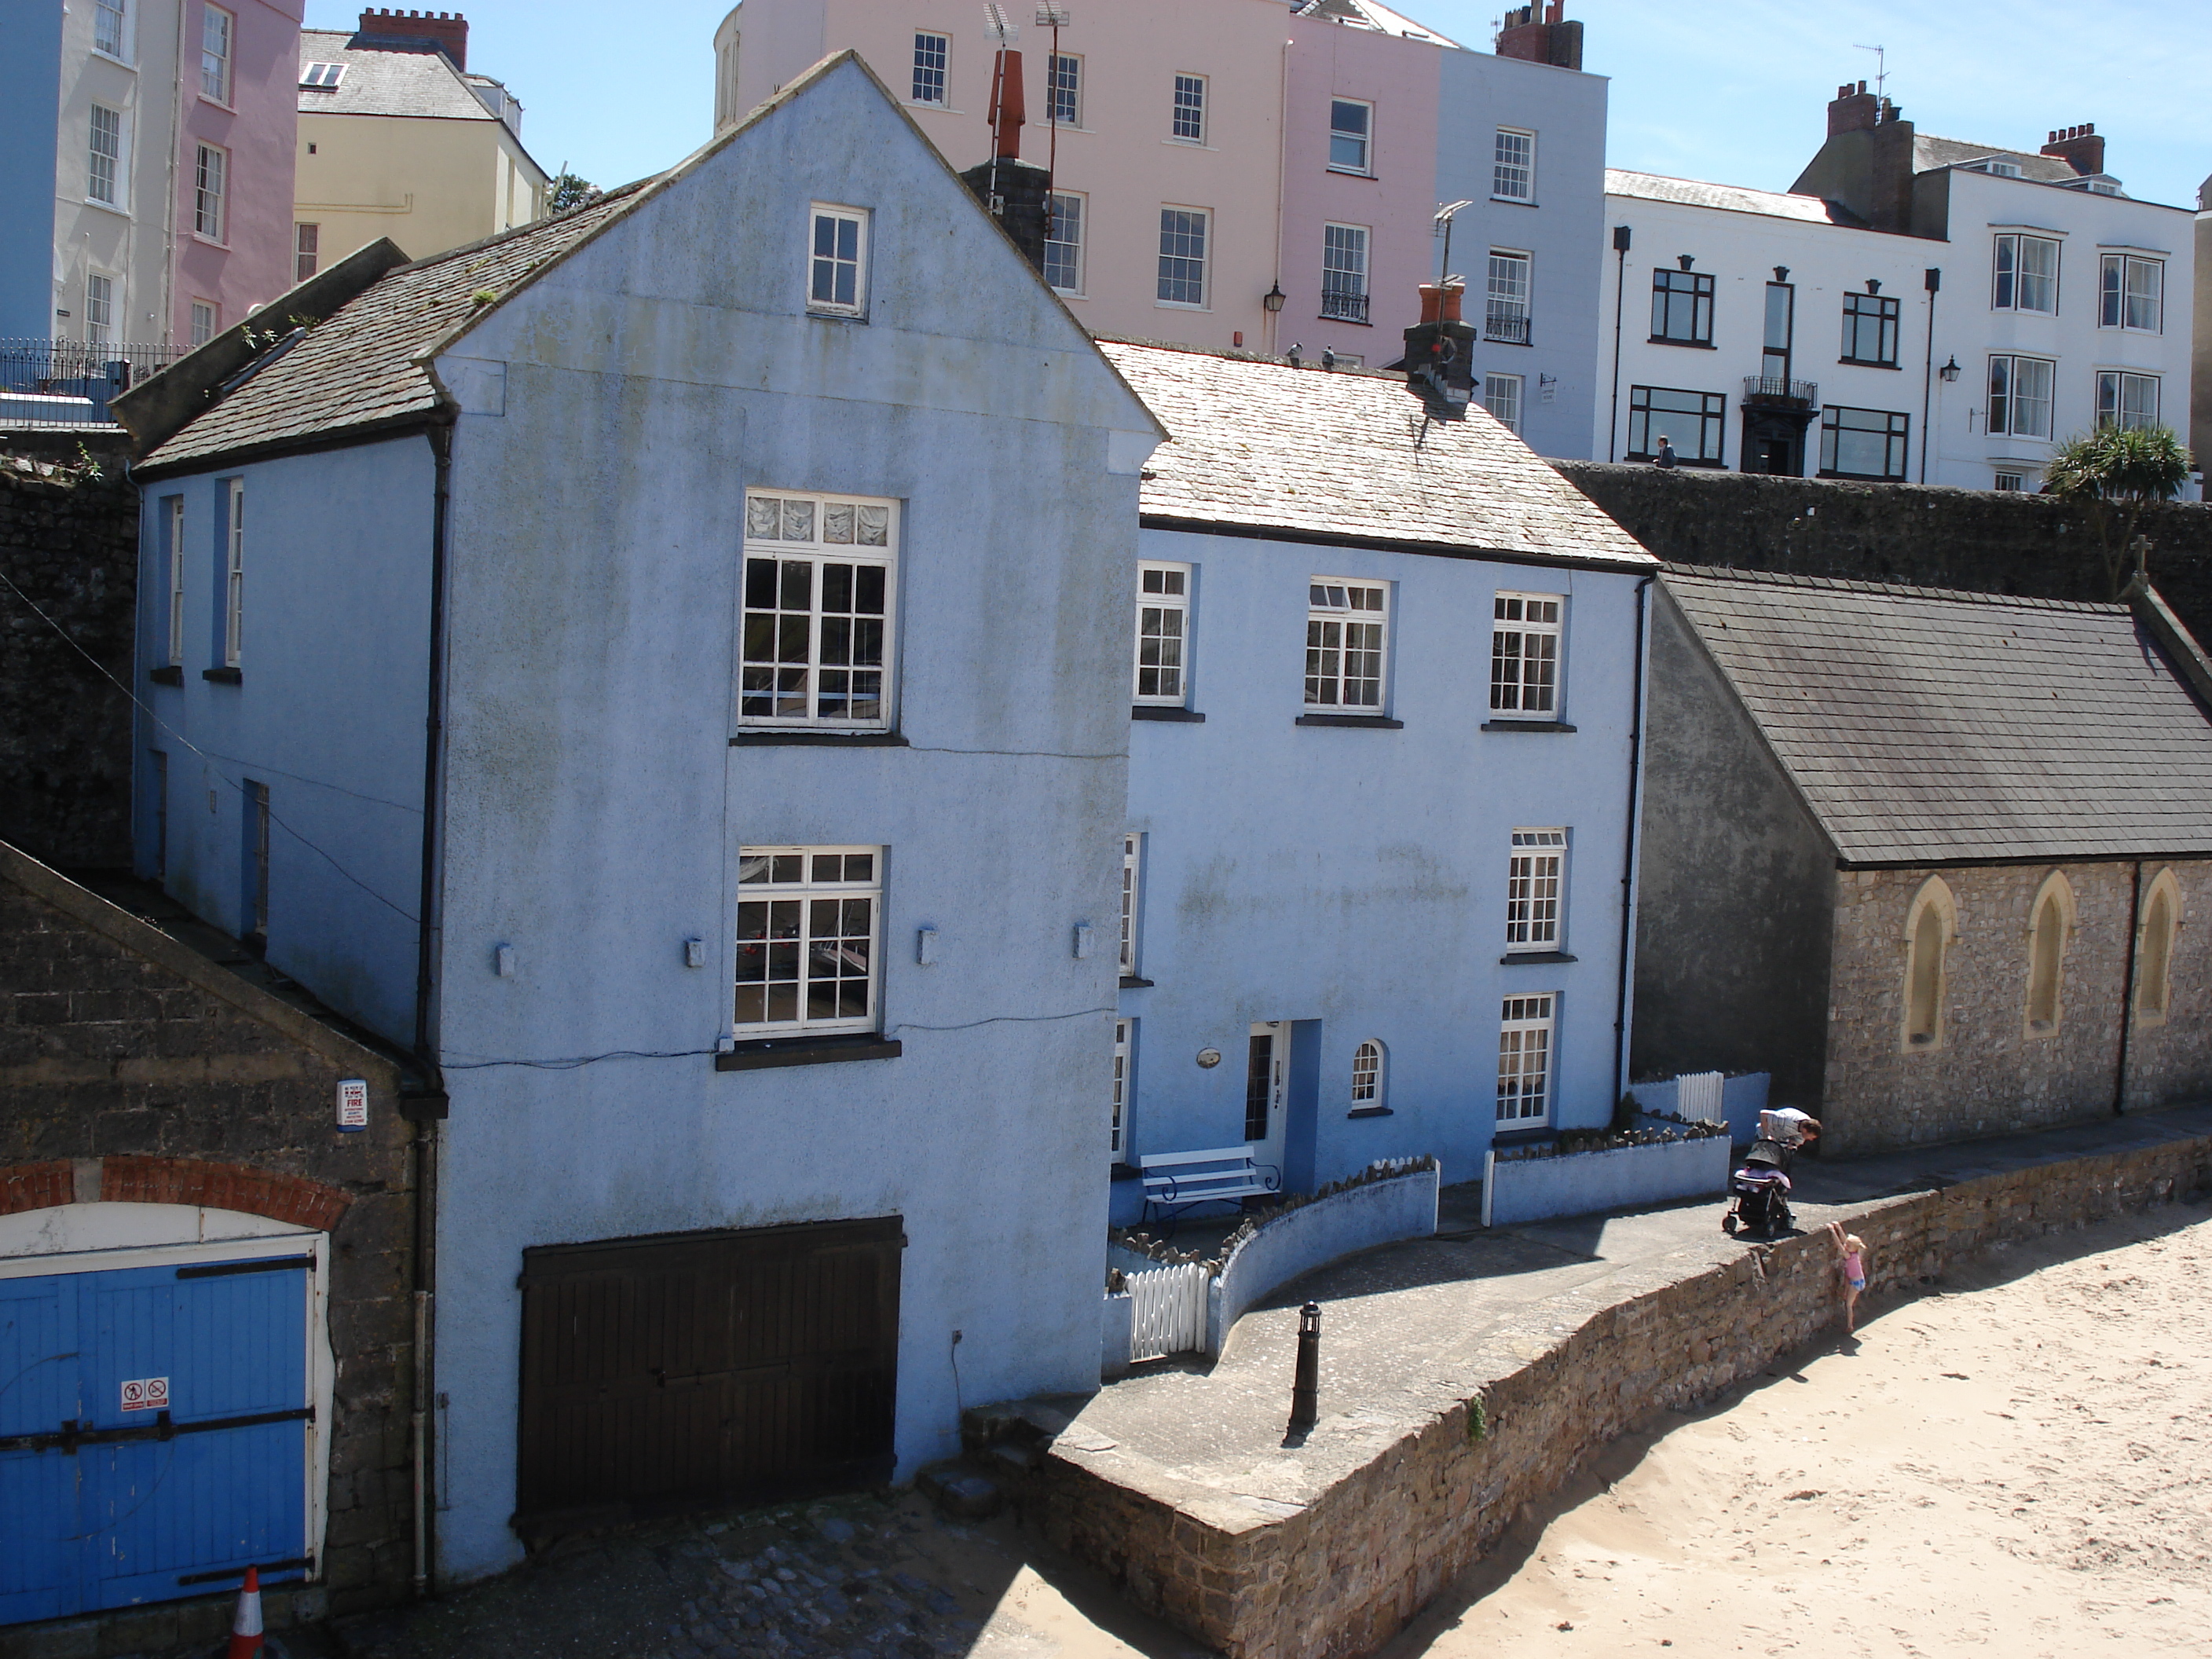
(1402,1324)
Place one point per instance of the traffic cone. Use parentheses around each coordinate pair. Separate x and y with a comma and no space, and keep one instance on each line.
(246,1626)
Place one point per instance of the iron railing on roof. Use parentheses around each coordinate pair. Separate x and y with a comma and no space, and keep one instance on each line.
(1773,389)
(66,383)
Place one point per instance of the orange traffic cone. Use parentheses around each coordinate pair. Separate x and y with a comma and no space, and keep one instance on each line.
(246,1627)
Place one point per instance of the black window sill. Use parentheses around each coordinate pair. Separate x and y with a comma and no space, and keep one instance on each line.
(1347,322)
(1863,477)
(1368,722)
(1680,460)
(1694,345)
(1156,711)
(170,675)
(772,738)
(1513,957)
(1526,726)
(224,676)
(1124,1172)
(1370,1111)
(1492,339)
(1865,363)
(1134,982)
(806,1051)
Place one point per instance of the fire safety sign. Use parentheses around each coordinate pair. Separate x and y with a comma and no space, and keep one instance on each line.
(146,1394)
(353,1104)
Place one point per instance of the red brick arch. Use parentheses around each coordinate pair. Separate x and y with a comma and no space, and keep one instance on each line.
(126,1180)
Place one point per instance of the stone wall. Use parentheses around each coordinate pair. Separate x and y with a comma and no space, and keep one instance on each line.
(133,1069)
(69,539)
(1990,1074)
(1342,1576)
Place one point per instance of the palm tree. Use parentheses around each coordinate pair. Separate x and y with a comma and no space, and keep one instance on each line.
(2126,467)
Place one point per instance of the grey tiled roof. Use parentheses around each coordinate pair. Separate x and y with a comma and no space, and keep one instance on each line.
(1350,455)
(357,367)
(1930,153)
(382,83)
(1922,725)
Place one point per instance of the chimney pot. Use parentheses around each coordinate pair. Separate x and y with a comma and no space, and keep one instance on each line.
(2079,147)
(1854,111)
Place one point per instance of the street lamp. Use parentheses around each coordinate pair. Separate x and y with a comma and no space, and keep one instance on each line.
(1273,299)
(1950,370)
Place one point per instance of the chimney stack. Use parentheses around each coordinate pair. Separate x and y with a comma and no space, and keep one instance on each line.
(1854,109)
(2080,147)
(1542,34)
(1439,360)
(1015,192)
(415,31)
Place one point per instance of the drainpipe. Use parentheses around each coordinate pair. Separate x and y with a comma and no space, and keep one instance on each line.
(1932,280)
(1621,237)
(1272,319)
(1631,842)
(169,223)
(2128,995)
(426,1235)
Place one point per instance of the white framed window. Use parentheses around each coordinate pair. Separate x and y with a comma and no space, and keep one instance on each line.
(104,155)
(1350,136)
(1368,1062)
(837,271)
(2009,481)
(807,920)
(1063,242)
(1187,121)
(1343,272)
(1524,1062)
(1064,89)
(2126,400)
(1524,653)
(307,250)
(1347,629)
(2131,293)
(1117,1133)
(233,567)
(174,559)
(1162,633)
(210,175)
(99,309)
(322,77)
(1513,166)
(1133,877)
(819,578)
(110,29)
(218,31)
(1535,889)
(1501,396)
(1505,308)
(2020,396)
(1183,236)
(932,53)
(2026,277)
(202,322)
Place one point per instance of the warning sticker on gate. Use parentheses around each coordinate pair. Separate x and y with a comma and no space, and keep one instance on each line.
(146,1394)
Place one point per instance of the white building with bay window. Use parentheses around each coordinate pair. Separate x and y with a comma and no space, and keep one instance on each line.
(1915,310)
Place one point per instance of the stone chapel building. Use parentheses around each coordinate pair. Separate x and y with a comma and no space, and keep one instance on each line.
(1937,861)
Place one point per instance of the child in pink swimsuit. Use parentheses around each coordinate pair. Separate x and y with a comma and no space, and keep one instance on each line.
(1853,1250)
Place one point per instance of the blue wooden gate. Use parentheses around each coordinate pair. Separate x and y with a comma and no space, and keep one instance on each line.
(109,1499)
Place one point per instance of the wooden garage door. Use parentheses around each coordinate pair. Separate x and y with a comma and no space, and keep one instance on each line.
(688,1368)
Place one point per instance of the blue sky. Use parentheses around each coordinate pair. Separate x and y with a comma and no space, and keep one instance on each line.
(1732,90)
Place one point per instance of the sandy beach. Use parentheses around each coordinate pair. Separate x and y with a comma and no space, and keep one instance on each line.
(2014,1462)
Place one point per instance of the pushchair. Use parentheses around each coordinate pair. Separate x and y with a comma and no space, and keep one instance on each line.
(1759,1193)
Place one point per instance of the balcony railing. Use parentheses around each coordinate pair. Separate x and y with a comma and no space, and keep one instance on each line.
(65,383)
(1772,388)
(1506,327)
(1343,306)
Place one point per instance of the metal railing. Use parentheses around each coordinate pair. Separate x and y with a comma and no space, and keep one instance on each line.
(69,383)
(1344,306)
(1772,388)
(1506,327)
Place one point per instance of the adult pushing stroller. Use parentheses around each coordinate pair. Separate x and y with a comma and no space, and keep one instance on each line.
(1759,1191)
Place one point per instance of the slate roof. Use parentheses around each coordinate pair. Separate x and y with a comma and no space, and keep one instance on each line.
(385,82)
(1350,457)
(1922,726)
(1732,198)
(358,369)
(1930,153)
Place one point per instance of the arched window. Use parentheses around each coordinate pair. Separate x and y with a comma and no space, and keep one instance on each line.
(2051,923)
(2161,917)
(1367,1076)
(1930,927)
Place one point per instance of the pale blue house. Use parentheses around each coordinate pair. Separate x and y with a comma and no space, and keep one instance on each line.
(1385,669)
(668,665)
(30,106)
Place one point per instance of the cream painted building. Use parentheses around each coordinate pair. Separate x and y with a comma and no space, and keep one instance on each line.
(397,139)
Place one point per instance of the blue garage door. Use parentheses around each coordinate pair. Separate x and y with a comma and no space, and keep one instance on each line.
(153,1429)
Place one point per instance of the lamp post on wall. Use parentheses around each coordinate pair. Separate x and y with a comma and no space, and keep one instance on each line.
(1932,280)
(1622,235)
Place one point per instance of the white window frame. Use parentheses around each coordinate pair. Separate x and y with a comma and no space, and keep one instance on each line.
(1502,395)
(306,249)
(1537,892)
(1508,168)
(1071,209)
(174,559)
(1132,898)
(1364,167)
(808,889)
(1203,259)
(2009,480)
(204,311)
(2004,269)
(1117,1124)
(116,169)
(211,204)
(120,11)
(2113,386)
(765,676)
(1342,603)
(1522,694)
(1190,95)
(2010,399)
(234,573)
(1053,89)
(99,308)
(1164,591)
(1528,1025)
(1508,293)
(1344,267)
(942,69)
(218,53)
(1370,1076)
(322,77)
(819,214)
(2117,296)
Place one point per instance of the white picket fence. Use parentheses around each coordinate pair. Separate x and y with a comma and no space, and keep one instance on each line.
(1699,1096)
(1167,1310)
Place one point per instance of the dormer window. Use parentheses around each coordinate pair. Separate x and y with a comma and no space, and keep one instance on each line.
(2001,169)
(323,77)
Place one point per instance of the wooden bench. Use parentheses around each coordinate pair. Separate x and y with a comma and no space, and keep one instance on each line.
(1175,1181)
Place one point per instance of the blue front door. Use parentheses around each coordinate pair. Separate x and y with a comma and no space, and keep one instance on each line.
(110,1497)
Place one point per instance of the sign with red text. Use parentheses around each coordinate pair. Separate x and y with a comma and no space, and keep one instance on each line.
(146,1394)
(353,1104)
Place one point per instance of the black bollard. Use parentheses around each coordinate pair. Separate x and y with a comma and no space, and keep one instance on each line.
(1305,1385)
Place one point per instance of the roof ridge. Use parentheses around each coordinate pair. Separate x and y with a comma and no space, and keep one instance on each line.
(1242,354)
(1901,590)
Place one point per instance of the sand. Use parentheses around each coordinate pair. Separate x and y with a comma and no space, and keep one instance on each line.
(2017,1460)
